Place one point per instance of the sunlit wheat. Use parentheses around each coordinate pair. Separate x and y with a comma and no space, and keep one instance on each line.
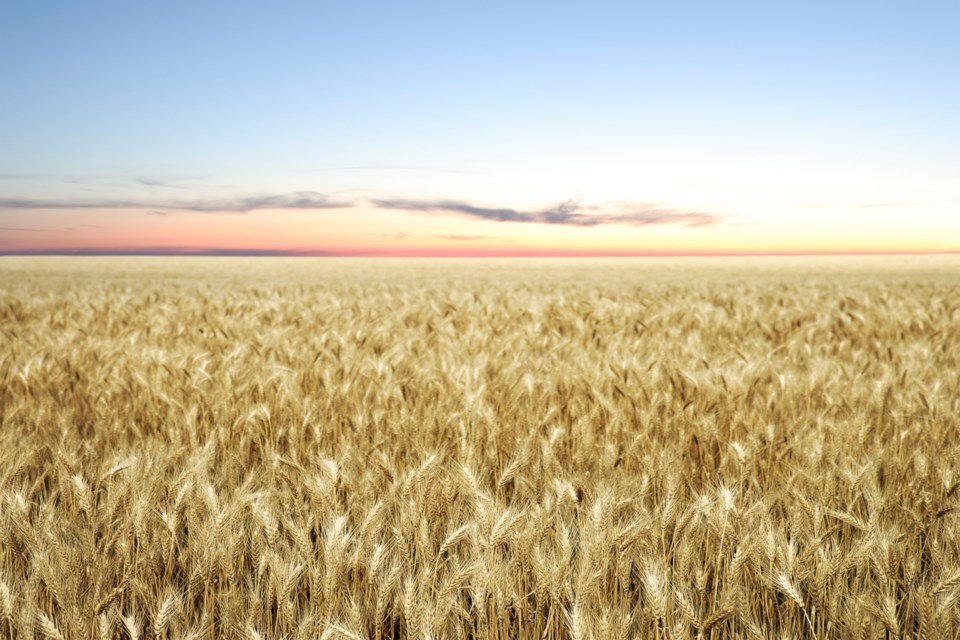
(466,449)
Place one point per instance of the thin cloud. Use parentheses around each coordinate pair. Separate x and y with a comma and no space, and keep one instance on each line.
(148,182)
(569,213)
(445,206)
(176,183)
(648,216)
(25,230)
(172,251)
(295,200)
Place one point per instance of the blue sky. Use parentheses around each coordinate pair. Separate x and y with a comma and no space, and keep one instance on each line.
(786,120)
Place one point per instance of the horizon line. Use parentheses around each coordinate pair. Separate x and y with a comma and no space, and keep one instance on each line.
(285,253)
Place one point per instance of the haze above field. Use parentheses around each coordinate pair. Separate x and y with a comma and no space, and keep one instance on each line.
(439,129)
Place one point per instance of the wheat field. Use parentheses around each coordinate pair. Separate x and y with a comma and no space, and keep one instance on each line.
(472,449)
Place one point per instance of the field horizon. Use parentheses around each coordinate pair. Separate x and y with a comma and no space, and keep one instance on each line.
(411,448)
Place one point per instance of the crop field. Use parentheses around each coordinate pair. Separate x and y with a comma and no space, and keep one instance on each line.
(472,449)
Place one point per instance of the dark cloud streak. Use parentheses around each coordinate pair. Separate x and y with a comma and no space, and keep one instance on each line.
(569,213)
(296,200)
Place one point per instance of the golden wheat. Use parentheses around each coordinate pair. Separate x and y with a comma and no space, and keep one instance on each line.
(207,448)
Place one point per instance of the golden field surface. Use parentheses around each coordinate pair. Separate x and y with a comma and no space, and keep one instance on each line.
(618,448)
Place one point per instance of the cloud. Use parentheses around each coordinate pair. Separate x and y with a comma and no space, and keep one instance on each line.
(567,213)
(176,183)
(570,213)
(652,215)
(446,206)
(295,200)
(171,251)
(24,230)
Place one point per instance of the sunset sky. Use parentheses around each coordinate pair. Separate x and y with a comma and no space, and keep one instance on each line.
(494,128)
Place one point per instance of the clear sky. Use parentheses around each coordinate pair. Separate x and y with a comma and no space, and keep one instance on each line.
(494,128)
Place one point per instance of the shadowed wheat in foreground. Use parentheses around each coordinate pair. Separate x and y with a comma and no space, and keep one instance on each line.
(531,449)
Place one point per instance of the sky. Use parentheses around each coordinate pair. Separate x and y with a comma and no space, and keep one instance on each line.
(474,129)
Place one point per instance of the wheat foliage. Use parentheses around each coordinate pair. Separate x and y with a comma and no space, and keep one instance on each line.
(207,448)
